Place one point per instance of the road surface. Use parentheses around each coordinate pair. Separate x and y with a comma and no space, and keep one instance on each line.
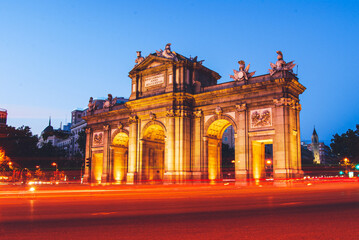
(318,210)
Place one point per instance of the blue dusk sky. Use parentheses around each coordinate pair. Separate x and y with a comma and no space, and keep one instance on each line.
(54,55)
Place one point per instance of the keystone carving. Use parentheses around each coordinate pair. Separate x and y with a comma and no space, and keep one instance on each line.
(152,116)
(120,125)
(218,110)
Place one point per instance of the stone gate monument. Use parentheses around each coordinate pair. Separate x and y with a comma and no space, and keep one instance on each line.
(171,128)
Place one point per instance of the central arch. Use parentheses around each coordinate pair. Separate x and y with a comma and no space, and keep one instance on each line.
(215,129)
(153,152)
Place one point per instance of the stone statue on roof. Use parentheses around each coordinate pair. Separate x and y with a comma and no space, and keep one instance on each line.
(110,102)
(91,105)
(167,53)
(281,65)
(139,58)
(243,73)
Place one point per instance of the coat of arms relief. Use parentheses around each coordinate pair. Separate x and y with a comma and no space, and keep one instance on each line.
(261,118)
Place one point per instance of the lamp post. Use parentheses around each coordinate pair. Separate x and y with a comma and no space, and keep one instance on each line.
(346,161)
(55,165)
(269,168)
(13,170)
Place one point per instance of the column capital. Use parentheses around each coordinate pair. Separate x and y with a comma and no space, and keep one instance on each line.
(88,130)
(132,119)
(198,113)
(170,112)
(297,107)
(240,107)
(284,102)
(205,138)
(106,127)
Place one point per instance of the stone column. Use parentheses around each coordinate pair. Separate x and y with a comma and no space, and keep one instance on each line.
(281,143)
(205,159)
(141,158)
(170,147)
(87,177)
(132,151)
(106,155)
(186,164)
(219,159)
(300,172)
(242,145)
(197,146)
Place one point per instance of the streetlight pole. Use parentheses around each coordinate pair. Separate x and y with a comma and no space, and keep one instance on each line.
(55,173)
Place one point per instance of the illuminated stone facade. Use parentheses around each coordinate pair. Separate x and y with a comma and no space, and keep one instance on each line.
(171,128)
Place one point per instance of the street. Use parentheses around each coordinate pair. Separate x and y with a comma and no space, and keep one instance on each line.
(310,210)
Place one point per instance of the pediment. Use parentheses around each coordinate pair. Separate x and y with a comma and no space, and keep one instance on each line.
(150,62)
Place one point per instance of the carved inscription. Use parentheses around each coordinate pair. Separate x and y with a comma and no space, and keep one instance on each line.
(261,118)
(151,81)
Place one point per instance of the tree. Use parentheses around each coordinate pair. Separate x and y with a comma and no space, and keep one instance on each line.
(48,150)
(307,156)
(19,142)
(346,145)
(81,141)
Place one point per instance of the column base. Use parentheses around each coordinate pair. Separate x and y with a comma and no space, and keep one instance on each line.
(197,177)
(281,174)
(104,178)
(86,178)
(131,178)
(169,178)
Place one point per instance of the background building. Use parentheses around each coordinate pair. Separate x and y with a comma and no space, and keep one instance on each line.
(3,119)
(321,152)
(228,137)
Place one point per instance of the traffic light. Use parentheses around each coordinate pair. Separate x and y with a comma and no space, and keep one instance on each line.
(88,162)
(341,173)
(357,167)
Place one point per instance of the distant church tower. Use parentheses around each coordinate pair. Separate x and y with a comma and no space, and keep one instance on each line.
(315,147)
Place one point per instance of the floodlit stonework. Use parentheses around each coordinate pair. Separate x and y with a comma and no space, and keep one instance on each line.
(171,129)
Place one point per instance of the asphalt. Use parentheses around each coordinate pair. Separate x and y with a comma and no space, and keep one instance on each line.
(289,210)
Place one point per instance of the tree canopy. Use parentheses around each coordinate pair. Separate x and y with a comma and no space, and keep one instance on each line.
(346,145)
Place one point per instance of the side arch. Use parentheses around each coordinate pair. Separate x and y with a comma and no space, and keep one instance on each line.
(118,130)
(219,117)
(152,145)
(150,123)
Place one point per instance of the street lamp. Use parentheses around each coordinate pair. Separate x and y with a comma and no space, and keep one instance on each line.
(55,165)
(346,162)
